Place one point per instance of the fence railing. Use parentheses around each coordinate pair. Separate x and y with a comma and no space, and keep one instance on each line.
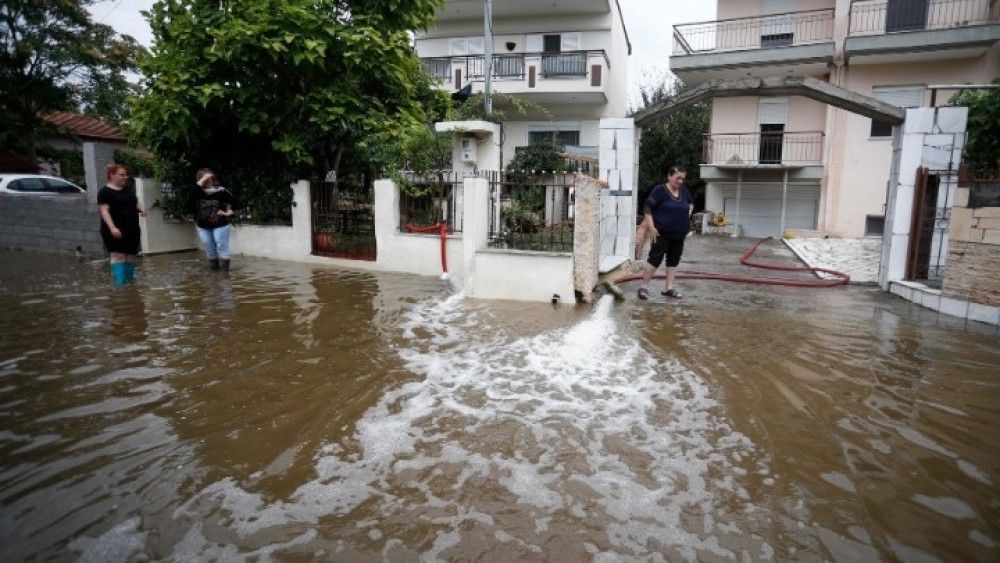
(429,198)
(512,66)
(763,148)
(531,211)
(758,32)
(343,220)
(873,17)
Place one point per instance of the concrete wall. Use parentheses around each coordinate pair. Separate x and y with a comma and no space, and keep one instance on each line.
(481,272)
(57,224)
(279,242)
(404,252)
(158,233)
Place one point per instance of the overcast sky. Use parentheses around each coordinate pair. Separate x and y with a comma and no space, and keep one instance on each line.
(649,24)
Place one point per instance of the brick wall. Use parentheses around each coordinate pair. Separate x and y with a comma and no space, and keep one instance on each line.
(973,270)
(50,224)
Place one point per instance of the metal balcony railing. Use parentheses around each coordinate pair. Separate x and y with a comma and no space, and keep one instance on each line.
(753,149)
(512,66)
(758,32)
(875,17)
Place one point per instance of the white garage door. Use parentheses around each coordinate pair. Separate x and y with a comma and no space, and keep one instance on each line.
(760,208)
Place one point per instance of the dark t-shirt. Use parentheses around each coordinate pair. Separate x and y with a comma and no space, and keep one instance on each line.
(207,206)
(122,205)
(670,215)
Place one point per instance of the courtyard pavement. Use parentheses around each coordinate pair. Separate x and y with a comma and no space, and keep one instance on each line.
(856,257)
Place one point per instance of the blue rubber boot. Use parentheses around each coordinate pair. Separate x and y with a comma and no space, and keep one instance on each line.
(129,272)
(119,273)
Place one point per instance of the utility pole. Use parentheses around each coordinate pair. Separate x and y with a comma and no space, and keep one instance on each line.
(488,54)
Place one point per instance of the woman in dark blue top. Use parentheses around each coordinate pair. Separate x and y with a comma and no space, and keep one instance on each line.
(667,218)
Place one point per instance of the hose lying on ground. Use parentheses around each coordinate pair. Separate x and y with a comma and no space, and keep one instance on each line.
(841,278)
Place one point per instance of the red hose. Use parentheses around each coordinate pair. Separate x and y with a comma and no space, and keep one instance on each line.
(442,230)
(841,279)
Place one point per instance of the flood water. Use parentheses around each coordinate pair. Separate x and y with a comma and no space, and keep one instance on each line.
(290,412)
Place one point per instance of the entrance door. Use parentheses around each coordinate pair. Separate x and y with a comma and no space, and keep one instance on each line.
(905,15)
(925,218)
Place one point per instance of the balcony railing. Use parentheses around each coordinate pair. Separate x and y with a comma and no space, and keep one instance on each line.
(875,17)
(512,66)
(753,149)
(758,32)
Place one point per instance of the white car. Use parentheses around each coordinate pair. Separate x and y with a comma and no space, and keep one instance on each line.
(36,184)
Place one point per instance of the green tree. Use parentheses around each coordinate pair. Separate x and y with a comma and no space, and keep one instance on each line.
(105,96)
(982,147)
(676,139)
(47,49)
(289,85)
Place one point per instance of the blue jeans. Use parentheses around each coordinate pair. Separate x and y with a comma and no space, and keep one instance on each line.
(215,241)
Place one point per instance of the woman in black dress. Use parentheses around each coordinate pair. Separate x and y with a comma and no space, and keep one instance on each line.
(120,211)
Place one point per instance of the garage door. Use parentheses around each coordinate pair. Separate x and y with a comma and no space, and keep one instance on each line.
(760,208)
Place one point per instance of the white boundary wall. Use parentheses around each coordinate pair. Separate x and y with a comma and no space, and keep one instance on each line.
(279,242)
(159,234)
(482,272)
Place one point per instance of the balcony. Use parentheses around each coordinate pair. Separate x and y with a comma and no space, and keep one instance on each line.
(914,30)
(566,77)
(799,41)
(763,150)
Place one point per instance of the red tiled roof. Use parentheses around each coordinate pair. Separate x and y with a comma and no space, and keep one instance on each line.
(84,126)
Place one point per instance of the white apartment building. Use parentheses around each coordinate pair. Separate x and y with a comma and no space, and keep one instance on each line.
(794,163)
(570,57)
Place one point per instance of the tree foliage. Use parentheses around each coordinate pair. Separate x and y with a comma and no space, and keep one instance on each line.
(675,139)
(281,87)
(49,49)
(982,147)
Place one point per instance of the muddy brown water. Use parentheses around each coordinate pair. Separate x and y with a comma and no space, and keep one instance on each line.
(290,412)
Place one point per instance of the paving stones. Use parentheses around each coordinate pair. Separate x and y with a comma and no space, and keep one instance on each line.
(856,257)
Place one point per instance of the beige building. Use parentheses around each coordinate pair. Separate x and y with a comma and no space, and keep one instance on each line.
(774,164)
(570,57)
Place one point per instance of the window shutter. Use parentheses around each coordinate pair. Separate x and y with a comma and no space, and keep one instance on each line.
(533,43)
(773,111)
(904,97)
(570,42)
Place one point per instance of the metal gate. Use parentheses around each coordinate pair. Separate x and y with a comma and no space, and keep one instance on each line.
(343,220)
(928,251)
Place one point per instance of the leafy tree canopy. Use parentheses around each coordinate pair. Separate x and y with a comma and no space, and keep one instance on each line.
(280,85)
(48,50)
(982,149)
(676,139)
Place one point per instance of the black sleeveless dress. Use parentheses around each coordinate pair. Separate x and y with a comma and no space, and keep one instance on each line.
(122,206)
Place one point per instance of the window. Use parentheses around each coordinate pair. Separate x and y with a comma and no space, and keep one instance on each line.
(902,96)
(27,185)
(551,43)
(60,186)
(558,138)
(874,225)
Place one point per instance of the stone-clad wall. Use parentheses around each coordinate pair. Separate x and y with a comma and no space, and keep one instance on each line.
(60,224)
(973,270)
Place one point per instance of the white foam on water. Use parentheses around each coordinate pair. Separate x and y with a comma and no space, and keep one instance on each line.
(120,543)
(579,424)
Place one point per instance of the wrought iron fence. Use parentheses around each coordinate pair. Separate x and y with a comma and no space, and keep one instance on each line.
(872,17)
(531,211)
(343,220)
(430,198)
(776,30)
(763,148)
